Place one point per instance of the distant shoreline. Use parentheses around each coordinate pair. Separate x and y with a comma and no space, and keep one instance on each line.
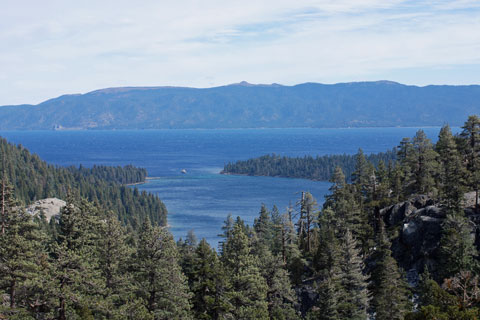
(142,182)
(271,176)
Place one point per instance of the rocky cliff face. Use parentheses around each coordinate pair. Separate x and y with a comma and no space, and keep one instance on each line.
(419,226)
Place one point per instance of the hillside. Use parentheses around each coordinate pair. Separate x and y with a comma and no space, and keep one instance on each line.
(243,105)
(34,179)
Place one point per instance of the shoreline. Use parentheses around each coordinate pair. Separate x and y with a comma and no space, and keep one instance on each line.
(142,182)
(262,175)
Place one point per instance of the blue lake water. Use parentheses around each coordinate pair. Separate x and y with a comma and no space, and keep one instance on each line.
(202,198)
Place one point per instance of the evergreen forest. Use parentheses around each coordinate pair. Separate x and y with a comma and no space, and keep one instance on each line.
(393,240)
(307,167)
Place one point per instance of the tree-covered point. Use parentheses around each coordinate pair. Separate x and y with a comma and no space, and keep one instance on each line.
(123,175)
(33,179)
(307,167)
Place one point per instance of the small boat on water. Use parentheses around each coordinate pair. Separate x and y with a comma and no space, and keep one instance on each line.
(183,171)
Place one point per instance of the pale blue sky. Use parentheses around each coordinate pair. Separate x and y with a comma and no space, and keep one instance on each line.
(49,48)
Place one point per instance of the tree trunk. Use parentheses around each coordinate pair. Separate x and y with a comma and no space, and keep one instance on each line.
(61,311)
(13,288)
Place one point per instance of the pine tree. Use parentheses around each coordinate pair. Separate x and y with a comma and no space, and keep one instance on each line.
(74,275)
(327,305)
(209,285)
(471,152)
(249,289)
(227,229)
(457,250)
(308,216)
(452,176)
(353,297)
(326,263)
(422,165)
(20,250)
(327,257)
(390,290)
(384,185)
(113,254)
(186,251)
(361,175)
(157,276)
(338,187)
(263,227)
(280,296)
(278,233)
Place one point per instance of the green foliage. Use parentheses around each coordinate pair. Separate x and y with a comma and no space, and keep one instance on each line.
(457,250)
(89,266)
(392,293)
(34,179)
(209,284)
(452,177)
(353,296)
(20,248)
(157,276)
(319,168)
(249,288)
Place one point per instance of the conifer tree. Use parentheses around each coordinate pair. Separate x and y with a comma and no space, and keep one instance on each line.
(353,296)
(422,164)
(471,151)
(390,290)
(327,305)
(113,254)
(338,187)
(249,289)
(326,263)
(384,185)
(263,226)
(348,211)
(306,220)
(452,175)
(457,250)
(278,233)
(157,276)
(327,257)
(280,295)
(74,274)
(20,250)
(209,285)
(361,175)
(186,251)
(227,229)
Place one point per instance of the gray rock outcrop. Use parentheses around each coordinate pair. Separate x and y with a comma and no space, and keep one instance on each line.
(418,223)
(50,207)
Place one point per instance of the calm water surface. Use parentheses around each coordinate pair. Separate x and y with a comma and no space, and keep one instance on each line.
(202,198)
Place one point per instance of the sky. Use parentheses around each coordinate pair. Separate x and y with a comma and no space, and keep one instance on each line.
(49,47)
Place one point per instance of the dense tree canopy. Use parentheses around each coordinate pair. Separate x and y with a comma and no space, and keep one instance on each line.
(336,261)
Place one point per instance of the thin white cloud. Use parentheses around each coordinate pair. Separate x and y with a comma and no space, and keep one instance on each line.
(48,48)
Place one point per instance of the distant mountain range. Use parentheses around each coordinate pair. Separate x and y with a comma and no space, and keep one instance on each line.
(244,105)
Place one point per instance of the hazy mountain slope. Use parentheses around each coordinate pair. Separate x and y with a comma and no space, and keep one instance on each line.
(381,103)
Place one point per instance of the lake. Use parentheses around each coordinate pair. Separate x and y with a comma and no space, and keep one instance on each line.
(201,199)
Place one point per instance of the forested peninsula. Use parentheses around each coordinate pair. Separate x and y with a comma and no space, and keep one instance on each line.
(307,167)
(33,179)
(394,242)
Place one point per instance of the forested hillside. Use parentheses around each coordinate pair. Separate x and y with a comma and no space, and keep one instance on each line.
(34,179)
(398,242)
(318,168)
(243,105)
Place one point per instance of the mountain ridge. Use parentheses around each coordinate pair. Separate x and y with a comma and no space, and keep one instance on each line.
(244,105)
